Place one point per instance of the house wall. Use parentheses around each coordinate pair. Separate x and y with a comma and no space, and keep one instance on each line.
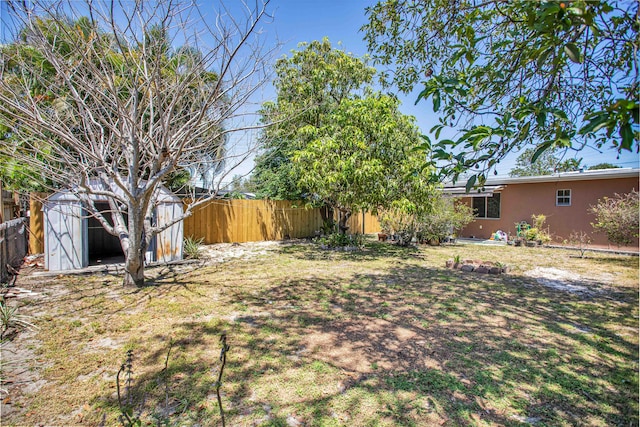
(520,201)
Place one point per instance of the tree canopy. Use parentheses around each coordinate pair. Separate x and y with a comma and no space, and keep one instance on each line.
(546,164)
(92,92)
(604,165)
(334,140)
(549,74)
(310,85)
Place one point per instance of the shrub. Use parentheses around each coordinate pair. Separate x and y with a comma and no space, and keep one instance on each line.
(537,233)
(400,222)
(617,217)
(192,247)
(580,240)
(444,218)
(339,240)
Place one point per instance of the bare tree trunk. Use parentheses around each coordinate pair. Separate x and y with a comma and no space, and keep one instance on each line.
(344,217)
(328,223)
(134,245)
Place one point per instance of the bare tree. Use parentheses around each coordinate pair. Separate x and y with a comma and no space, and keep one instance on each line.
(124,93)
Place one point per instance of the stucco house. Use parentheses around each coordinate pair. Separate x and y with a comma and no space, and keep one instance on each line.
(565,199)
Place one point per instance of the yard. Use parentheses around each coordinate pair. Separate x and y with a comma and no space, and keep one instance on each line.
(386,336)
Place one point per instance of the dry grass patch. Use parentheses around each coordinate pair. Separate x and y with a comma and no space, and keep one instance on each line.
(386,336)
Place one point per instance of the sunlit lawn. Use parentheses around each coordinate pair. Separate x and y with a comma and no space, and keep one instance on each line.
(386,336)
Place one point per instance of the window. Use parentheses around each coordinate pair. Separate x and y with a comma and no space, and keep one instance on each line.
(487,207)
(563,198)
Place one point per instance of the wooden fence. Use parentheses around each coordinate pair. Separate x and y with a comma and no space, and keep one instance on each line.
(36,222)
(226,221)
(13,245)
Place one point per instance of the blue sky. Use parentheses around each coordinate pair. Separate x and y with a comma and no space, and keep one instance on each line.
(297,21)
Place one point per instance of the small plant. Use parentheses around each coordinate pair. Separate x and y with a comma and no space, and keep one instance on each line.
(192,248)
(223,361)
(10,319)
(456,259)
(537,233)
(579,240)
(127,417)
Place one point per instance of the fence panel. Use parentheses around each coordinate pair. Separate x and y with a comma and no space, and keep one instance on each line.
(226,221)
(36,222)
(13,245)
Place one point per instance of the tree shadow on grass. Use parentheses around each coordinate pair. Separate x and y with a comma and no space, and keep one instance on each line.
(370,251)
(413,322)
(416,343)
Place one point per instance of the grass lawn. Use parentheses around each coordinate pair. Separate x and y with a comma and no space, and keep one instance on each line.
(386,336)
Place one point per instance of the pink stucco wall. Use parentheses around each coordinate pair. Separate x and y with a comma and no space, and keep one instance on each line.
(520,201)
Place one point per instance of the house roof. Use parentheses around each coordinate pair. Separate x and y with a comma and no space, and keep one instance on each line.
(569,176)
(497,184)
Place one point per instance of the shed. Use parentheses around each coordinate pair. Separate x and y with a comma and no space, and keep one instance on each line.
(74,239)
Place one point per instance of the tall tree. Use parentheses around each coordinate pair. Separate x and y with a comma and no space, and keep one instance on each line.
(310,85)
(508,74)
(334,141)
(546,164)
(364,158)
(106,104)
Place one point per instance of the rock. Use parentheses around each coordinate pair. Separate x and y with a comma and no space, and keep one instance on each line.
(495,270)
(449,263)
(467,268)
(482,269)
(506,269)
(293,421)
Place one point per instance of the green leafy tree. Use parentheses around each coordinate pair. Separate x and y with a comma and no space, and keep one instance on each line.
(109,106)
(618,217)
(546,164)
(364,158)
(605,165)
(507,74)
(310,85)
(334,141)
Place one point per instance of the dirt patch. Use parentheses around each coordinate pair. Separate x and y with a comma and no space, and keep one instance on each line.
(368,345)
(566,281)
(221,252)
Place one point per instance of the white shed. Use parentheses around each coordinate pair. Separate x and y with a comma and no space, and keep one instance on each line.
(74,239)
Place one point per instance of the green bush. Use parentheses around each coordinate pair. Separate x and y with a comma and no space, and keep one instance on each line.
(339,240)
(617,217)
(445,217)
(401,222)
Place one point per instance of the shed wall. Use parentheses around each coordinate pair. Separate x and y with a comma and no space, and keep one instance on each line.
(65,236)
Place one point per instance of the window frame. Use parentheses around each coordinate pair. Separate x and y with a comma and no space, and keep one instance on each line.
(565,196)
(486,206)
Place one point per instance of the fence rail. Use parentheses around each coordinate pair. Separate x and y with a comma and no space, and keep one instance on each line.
(13,245)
